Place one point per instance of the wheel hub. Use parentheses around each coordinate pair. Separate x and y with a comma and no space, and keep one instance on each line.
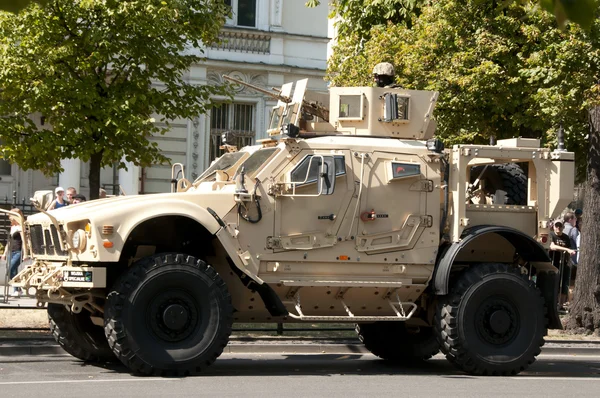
(175,316)
(497,321)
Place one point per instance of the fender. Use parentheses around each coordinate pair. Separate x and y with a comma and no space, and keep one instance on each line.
(526,246)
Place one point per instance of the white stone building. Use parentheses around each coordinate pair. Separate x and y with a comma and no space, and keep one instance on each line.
(267,43)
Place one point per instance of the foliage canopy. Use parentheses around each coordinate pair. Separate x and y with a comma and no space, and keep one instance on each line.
(99,71)
(502,70)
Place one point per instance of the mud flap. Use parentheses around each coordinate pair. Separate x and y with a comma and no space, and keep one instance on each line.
(547,282)
(271,300)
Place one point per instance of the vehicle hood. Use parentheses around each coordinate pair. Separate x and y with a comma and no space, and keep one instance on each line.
(122,206)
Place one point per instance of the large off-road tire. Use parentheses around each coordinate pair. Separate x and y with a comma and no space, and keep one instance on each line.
(169,314)
(493,322)
(77,335)
(508,177)
(394,342)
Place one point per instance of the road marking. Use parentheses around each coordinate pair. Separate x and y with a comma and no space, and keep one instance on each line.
(553,378)
(5,383)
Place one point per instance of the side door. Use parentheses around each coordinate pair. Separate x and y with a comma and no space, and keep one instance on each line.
(315,195)
(393,207)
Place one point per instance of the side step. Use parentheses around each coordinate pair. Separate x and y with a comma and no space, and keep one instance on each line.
(309,283)
(398,307)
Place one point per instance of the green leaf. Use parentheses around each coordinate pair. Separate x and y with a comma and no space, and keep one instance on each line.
(77,63)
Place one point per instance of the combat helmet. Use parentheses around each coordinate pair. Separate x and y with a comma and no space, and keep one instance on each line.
(383,69)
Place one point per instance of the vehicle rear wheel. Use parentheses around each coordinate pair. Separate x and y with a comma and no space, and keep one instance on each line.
(393,341)
(77,334)
(169,314)
(493,322)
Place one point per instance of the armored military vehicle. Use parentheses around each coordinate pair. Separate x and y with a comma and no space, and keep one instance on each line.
(351,211)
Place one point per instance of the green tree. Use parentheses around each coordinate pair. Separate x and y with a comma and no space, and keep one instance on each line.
(17,5)
(99,72)
(502,70)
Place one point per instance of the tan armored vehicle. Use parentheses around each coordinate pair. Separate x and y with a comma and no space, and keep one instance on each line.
(350,212)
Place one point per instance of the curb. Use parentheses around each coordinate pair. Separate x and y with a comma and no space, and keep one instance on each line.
(9,350)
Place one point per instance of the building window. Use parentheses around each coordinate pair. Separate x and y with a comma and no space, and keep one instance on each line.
(237,118)
(243,13)
(5,168)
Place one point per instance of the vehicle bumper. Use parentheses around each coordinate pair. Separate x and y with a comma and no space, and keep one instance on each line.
(49,275)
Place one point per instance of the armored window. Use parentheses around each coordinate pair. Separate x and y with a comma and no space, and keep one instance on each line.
(291,112)
(404,170)
(299,174)
(275,123)
(243,13)
(395,108)
(351,107)
(255,162)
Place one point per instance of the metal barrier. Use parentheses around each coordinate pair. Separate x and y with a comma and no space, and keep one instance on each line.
(565,272)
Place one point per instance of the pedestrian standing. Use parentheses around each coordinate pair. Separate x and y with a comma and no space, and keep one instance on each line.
(71,192)
(572,232)
(15,243)
(60,200)
(559,247)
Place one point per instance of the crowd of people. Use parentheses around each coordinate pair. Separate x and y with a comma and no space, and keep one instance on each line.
(564,253)
(62,200)
(12,253)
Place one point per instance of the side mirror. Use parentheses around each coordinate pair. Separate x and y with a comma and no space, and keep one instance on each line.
(326,182)
(42,199)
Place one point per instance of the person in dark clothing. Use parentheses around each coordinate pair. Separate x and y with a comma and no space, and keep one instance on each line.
(15,243)
(560,252)
(78,198)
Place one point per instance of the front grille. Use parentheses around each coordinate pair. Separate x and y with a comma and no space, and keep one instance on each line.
(49,246)
(55,239)
(37,239)
(46,241)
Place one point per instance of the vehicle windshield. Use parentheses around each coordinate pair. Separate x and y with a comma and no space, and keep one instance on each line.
(255,161)
(223,163)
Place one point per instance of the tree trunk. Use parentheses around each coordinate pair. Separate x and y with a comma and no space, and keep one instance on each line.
(94,176)
(585,309)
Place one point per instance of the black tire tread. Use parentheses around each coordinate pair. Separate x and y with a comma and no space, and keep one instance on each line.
(91,347)
(446,321)
(116,334)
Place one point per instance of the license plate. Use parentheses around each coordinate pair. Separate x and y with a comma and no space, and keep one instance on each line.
(77,276)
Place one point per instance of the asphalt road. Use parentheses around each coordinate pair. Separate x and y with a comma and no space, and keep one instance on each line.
(266,375)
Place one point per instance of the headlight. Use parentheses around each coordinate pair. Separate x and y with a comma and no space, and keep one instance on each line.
(78,240)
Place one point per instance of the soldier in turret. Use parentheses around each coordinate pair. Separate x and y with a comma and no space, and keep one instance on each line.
(383,75)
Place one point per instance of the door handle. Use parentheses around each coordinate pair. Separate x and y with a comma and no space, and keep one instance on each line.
(330,217)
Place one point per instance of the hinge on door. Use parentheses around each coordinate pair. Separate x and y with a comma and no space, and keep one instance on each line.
(273,243)
(422,186)
(427,221)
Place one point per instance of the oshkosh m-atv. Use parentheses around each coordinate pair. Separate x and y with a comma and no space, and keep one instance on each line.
(350,212)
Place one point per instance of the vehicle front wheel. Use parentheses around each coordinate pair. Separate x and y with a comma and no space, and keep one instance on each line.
(393,341)
(77,334)
(169,314)
(493,322)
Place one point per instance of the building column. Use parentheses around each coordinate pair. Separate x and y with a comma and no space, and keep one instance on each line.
(71,176)
(129,179)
